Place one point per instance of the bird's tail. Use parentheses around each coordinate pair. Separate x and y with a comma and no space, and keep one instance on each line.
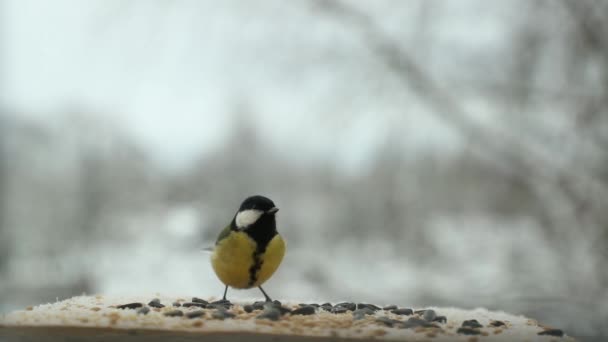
(208,249)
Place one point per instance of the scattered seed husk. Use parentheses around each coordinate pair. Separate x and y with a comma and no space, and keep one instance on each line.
(221,302)
(258,305)
(222,314)
(403,311)
(195,314)
(326,306)
(155,303)
(361,313)
(191,304)
(198,300)
(174,313)
(368,306)
(468,331)
(277,305)
(270,313)
(143,310)
(304,310)
(389,322)
(339,310)
(130,306)
(440,319)
(415,322)
(471,323)
(552,332)
(497,323)
(349,306)
(429,315)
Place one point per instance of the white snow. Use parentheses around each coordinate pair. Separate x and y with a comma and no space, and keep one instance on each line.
(100,312)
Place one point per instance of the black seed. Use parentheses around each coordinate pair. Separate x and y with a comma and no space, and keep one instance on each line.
(218,306)
(326,306)
(195,314)
(222,314)
(361,313)
(348,306)
(406,312)
(552,332)
(270,313)
(429,315)
(390,307)
(305,310)
(471,323)
(198,300)
(248,308)
(130,306)
(497,323)
(155,303)
(339,310)
(276,305)
(368,306)
(284,310)
(389,322)
(419,312)
(313,305)
(176,304)
(224,302)
(440,319)
(190,304)
(174,313)
(143,310)
(258,305)
(468,331)
(415,322)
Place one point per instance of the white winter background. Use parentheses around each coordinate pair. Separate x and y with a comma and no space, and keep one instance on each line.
(422,153)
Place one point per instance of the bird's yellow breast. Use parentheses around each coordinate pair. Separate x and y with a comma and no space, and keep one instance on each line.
(234,260)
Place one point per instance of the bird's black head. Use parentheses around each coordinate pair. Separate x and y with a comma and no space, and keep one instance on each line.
(256,212)
(257,202)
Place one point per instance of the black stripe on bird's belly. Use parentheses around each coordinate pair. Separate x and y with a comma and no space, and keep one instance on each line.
(262,233)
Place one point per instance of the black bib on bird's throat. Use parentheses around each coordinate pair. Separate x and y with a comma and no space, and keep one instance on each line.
(262,231)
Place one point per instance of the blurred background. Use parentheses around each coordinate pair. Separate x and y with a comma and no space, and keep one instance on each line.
(422,152)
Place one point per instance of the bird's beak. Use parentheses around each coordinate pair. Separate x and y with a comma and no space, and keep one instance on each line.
(272,210)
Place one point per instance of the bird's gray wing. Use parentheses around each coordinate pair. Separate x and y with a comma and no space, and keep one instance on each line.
(223,234)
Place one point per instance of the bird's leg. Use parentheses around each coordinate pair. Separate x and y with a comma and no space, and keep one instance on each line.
(265,295)
(225,291)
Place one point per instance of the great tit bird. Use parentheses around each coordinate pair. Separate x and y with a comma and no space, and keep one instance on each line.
(249,250)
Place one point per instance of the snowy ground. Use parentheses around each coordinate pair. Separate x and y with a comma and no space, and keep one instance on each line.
(103,312)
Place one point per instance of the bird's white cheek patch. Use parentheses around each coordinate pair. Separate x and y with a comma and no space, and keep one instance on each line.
(247,217)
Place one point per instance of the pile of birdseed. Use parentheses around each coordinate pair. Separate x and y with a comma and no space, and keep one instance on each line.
(99,317)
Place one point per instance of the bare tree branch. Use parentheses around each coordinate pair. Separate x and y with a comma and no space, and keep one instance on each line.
(508,153)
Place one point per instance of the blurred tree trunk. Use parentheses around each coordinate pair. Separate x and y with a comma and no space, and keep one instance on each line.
(92,195)
(4,239)
(4,243)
